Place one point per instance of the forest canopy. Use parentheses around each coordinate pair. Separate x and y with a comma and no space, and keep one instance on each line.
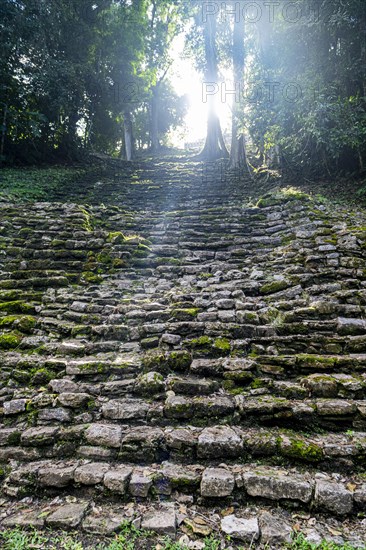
(95,75)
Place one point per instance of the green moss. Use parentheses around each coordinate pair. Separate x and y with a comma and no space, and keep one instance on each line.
(284,195)
(205,275)
(140,252)
(14,438)
(21,376)
(274,286)
(154,360)
(202,341)
(302,450)
(26,323)
(179,360)
(228,385)
(315,361)
(258,383)
(90,277)
(93,368)
(104,258)
(189,312)
(58,243)
(222,344)
(287,240)
(42,375)
(10,340)
(118,263)
(18,306)
(91,404)
(87,225)
(116,237)
(241,377)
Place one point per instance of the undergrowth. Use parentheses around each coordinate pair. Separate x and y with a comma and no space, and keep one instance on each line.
(130,538)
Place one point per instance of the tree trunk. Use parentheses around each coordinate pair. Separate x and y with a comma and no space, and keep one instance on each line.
(3,133)
(128,135)
(214,147)
(237,152)
(154,127)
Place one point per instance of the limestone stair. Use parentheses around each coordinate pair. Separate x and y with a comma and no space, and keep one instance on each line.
(176,342)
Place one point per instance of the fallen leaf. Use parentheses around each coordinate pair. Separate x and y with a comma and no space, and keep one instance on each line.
(43,514)
(198,529)
(200,520)
(334,531)
(301,516)
(227,511)
(351,486)
(296,527)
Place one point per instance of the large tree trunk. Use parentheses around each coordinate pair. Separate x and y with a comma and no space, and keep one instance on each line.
(154,126)
(128,136)
(237,152)
(214,146)
(3,133)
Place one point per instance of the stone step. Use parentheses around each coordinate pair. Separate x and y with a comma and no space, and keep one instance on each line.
(269,526)
(250,482)
(263,409)
(182,444)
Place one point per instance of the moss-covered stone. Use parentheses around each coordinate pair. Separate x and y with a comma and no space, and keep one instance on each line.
(104,258)
(14,438)
(90,277)
(11,340)
(222,345)
(118,263)
(24,323)
(116,237)
(154,360)
(301,450)
(315,361)
(184,314)
(258,383)
(274,286)
(17,306)
(40,376)
(179,360)
(201,342)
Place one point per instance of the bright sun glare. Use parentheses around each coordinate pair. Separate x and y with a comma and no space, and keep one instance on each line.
(186,80)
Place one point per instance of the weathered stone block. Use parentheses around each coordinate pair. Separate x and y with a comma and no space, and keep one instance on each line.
(125,409)
(68,516)
(91,473)
(217,482)
(104,435)
(38,437)
(219,441)
(162,521)
(117,479)
(334,497)
(274,531)
(239,528)
(140,485)
(276,485)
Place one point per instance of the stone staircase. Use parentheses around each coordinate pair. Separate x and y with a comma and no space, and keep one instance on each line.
(166,344)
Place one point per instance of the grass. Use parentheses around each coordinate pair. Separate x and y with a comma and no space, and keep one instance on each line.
(131,538)
(28,184)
